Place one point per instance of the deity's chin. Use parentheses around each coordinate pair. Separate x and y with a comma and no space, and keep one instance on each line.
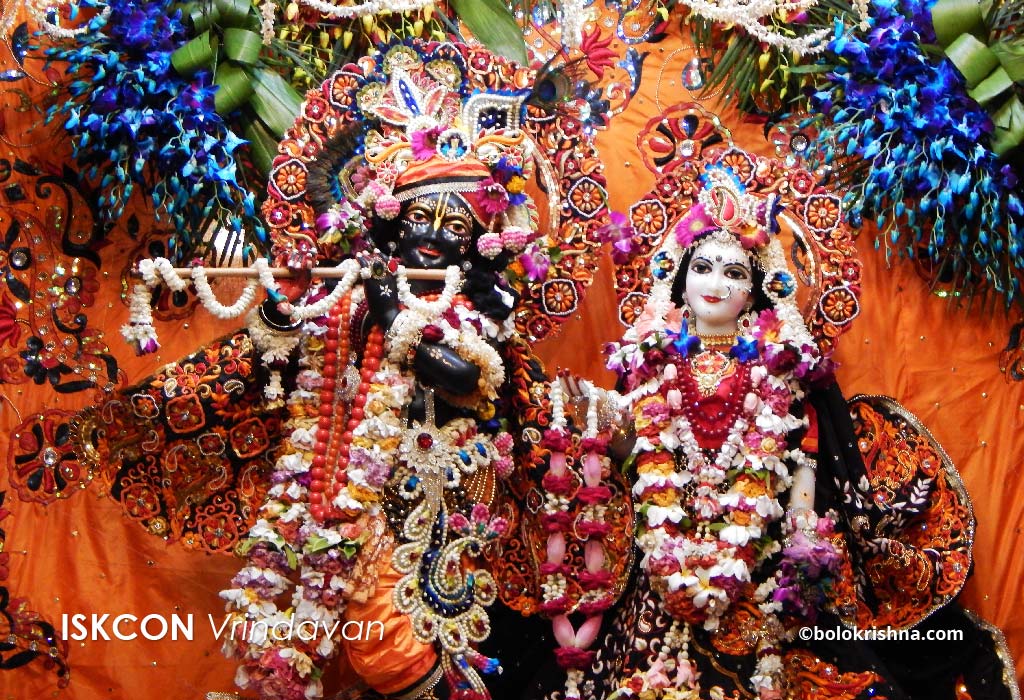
(715,324)
(417,259)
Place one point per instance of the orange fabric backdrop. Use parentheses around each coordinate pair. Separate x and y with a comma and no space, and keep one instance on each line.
(82,556)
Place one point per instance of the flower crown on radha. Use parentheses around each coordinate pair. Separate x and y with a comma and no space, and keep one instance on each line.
(425,132)
(725,211)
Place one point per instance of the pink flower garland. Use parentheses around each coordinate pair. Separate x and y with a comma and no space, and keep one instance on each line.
(564,487)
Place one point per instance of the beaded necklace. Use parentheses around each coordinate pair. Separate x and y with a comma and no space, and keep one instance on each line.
(705,511)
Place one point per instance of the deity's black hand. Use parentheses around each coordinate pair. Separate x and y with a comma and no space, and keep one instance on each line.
(292,289)
(381,290)
(436,364)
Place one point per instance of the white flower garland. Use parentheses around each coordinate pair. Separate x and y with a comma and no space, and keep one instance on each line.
(557,406)
(206,296)
(429,309)
(749,15)
(38,11)
(406,332)
(368,7)
(573,16)
(139,330)
(323,306)
(153,271)
(759,420)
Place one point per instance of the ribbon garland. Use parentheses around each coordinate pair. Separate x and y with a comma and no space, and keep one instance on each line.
(228,41)
(991,59)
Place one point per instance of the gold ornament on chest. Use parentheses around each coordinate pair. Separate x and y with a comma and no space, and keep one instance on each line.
(709,368)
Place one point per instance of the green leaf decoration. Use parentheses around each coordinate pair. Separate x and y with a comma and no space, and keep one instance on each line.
(196,54)
(200,17)
(951,18)
(262,145)
(762,78)
(293,559)
(316,543)
(1009,120)
(972,58)
(233,13)
(242,45)
(275,101)
(991,87)
(983,40)
(1011,57)
(230,43)
(493,24)
(243,547)
(235,89)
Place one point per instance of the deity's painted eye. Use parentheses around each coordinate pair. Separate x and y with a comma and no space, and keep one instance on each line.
(701,267)
(417,216)
(458,227)
(737,272)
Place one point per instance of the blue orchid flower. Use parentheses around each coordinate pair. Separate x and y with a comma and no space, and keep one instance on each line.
(138,124)
(906,113)
(745,349)
(684,343)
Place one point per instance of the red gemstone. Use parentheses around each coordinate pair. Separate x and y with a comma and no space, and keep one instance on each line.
(432,334)
(424,440)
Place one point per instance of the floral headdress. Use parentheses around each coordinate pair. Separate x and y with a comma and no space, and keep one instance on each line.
(725,210)
(425,132)
(355,132)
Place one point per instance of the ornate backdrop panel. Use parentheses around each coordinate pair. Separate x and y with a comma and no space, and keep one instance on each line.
(75,542)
